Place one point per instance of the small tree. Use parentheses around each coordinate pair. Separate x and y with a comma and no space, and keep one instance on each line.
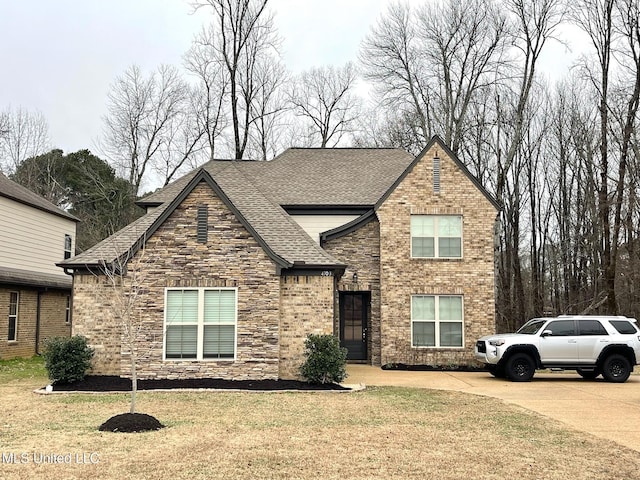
(67,360)
(325,360)
(124,279)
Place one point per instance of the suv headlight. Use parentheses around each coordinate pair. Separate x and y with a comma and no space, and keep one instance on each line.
(497,343)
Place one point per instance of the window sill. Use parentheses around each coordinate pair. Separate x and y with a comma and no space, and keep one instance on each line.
(196,360)
(446,259)
(12,342)
(437,348)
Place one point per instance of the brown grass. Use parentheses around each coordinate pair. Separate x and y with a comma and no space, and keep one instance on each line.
(378,433)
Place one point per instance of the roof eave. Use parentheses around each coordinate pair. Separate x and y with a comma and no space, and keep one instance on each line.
(347,228)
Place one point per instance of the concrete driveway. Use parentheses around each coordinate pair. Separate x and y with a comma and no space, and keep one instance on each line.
(607,410)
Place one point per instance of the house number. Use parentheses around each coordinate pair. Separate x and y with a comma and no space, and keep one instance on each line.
(326,273)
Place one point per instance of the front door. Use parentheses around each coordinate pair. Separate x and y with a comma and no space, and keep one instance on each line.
(353,324)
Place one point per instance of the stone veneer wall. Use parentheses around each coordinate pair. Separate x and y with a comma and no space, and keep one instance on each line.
(403,276)
(174,258)
(92,318)
(52,320)
(360,250)
(306,306)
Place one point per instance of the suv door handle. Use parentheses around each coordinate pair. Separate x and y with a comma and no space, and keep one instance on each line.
(573,340)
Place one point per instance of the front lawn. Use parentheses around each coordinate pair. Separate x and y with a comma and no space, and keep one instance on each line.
(378,433)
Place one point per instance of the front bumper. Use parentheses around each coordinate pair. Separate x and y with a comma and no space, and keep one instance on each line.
(487,354)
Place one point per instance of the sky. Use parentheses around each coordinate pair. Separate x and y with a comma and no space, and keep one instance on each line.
(59,57)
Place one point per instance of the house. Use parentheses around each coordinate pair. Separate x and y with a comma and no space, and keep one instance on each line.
(242,260)
(35,294)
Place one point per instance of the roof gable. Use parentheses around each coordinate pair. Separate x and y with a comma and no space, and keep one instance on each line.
(279,236)
(437,140)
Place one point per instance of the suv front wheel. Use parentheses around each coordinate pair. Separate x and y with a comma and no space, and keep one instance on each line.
(616,368)
(520,367)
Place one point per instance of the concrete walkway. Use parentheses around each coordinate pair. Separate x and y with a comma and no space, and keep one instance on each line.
(607,410)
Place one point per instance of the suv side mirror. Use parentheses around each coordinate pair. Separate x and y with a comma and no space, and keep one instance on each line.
(546,333)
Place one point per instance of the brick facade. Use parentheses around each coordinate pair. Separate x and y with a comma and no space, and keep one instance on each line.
(402,276)
(270,327)
(275,310)
(306,305)
(360,250)
(52,320)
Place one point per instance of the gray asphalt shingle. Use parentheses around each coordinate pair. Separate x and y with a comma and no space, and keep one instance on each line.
(18,193)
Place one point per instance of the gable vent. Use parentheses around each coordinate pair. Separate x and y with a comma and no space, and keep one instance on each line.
(203,223)
(436,175)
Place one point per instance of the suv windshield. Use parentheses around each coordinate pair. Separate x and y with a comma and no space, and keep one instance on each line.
(532,327)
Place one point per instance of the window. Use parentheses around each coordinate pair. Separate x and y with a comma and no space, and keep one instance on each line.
(624,326)
(561,328)
(200,323)
(67,246)
(436,236)
(13,316)
(67,311)
(591,327)
(436,320)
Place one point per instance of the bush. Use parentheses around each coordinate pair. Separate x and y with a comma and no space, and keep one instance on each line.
(67,359)
(325,360)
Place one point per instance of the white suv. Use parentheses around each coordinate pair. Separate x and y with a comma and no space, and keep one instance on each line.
(591,345)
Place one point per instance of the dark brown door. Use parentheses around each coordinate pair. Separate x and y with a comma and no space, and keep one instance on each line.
(353,324)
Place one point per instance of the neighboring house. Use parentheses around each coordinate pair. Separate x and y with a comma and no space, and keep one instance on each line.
(35,294)
(242,260)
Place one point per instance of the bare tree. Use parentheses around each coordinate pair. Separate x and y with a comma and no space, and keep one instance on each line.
(432,62)
(324,99)
(144,115)
(211,89)
(184,145)
(269,108)
(124,278)
(537,21)
(612,29)
(392,59)
(628,29)
(243,33)
(383,129)
(464,45)
(23,134)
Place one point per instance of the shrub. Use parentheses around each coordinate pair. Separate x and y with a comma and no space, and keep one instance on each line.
(67,359)
(325,360)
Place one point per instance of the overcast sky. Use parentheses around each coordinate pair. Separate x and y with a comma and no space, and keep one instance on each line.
(60,56)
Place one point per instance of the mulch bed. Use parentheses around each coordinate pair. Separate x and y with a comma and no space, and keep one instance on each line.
(131,422)
(108,383)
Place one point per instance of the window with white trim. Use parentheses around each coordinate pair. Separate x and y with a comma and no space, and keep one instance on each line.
(68,243)
(14,299)
(436,236)
(437,321)
(200,323)
(67,310)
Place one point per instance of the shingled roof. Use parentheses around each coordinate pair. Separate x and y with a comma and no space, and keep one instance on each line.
(280,236)
(12,190)
(260,192)
(313,176)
